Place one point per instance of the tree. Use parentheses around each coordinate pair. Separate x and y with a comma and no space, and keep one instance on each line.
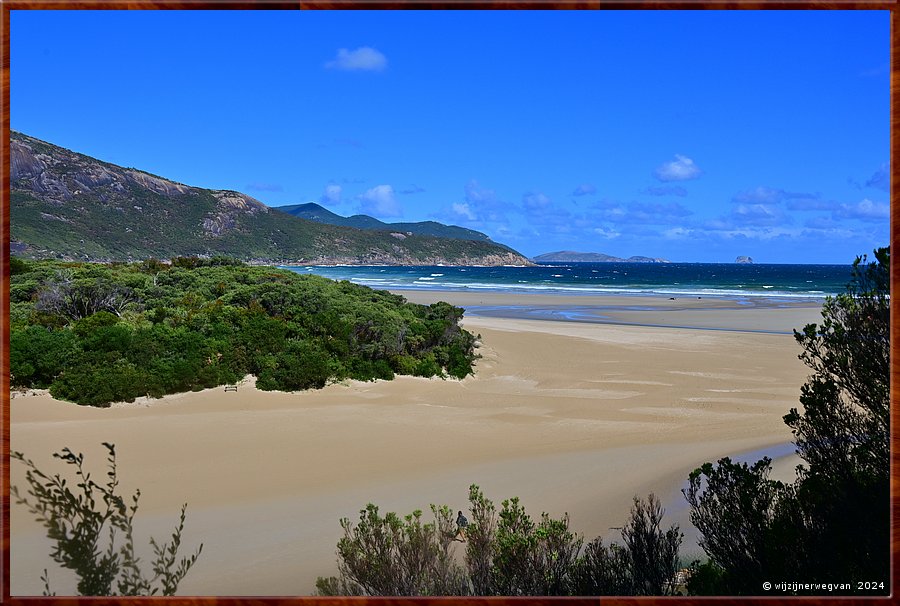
(843,432)
(844,428)
(70,300)
(78,520)
(834,520)
(734,506)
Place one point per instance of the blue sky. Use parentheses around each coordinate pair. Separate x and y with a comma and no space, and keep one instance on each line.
(695,135)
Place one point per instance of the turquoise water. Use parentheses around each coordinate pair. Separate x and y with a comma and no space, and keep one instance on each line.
(673,279)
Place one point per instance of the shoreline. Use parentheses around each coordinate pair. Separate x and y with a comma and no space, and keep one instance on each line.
(571,417)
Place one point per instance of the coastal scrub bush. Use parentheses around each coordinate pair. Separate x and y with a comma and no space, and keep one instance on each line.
(481,545)
(396,556)
(735,508)
(833,521)
(17,266)
(95,334)
(532,558)
(645,564)
(652,552)
(39,354)
(301,365)
(508,553)
(81,520)
(603,570)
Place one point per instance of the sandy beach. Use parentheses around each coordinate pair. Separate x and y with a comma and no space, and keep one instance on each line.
(571,416)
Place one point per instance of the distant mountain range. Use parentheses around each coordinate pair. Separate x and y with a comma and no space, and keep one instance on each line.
(570,256)
(315,212)
(70,206)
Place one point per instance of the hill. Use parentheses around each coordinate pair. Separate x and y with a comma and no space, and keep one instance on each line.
(70,206)
(315,212)
(569,256)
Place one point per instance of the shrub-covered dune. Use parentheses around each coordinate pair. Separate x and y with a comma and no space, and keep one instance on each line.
(96,334)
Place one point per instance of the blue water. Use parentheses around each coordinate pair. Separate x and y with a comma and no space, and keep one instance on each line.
(673,279)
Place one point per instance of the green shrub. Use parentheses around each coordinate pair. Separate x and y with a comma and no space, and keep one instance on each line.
(78,521)
(507,554)
(428,367)
(17,266)
(38,355)
(302,365)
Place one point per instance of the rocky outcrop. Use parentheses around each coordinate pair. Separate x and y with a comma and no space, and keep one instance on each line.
(230,207)
(62,176)
(743,259)
(24,163)
(155,184)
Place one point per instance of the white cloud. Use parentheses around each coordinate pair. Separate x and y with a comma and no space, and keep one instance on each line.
(770,195)
(681,168)
(363,58)
(609,234)
(462,209)
(881,179)
(536,202)
(332,195)
(484,203)
(759,215)
(585,189)
(866,210)
(380,202)
(476,193)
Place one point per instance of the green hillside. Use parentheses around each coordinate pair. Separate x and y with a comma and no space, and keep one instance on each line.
(71,206)
(315,212)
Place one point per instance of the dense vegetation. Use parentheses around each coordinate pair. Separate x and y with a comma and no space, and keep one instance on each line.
(508,553)
(96,334)
(833,523)
(80,516)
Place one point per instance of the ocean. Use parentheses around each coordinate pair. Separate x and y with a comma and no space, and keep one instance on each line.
(785,281)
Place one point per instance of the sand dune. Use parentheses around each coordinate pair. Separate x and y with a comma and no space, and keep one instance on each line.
(569,416)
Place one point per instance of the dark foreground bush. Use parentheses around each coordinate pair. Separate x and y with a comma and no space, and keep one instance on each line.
(833,521)
(80,522)
(508,553)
